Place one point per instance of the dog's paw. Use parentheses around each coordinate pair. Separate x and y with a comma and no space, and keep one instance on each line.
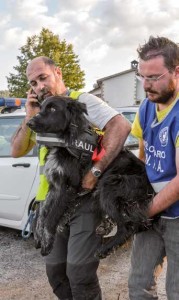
(45,249)
(105,227)
(37,230)
(47,242)
(37,243)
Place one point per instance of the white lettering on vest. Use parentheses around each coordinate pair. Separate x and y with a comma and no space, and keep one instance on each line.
(147,160)
(159,168)
(156,157)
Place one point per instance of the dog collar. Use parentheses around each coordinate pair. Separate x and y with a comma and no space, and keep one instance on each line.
(50,140)
(86,143)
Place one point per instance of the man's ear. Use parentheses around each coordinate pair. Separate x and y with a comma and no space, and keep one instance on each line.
(58,72)
(177,72)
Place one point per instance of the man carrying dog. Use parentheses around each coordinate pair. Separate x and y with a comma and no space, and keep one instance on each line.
(157,127)
(71,266)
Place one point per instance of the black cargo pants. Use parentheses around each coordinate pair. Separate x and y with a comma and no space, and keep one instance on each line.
(71,266)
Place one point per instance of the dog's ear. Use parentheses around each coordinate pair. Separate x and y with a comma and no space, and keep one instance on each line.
(77,107)
(77,110)
(83,107)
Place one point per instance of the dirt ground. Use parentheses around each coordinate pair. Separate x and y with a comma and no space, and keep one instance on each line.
(22,271)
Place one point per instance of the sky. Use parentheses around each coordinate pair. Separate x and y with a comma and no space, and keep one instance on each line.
(105,33)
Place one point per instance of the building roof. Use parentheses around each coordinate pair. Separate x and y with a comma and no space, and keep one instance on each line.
(100,80)
(115,75)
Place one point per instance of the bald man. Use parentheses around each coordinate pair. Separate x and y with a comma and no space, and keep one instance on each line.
(71,266)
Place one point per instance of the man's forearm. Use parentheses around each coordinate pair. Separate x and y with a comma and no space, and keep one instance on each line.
(166,197)
(116,132)
(21,143)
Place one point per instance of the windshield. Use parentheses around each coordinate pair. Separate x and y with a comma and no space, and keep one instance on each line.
(8,127)
(131,140)
(129,115)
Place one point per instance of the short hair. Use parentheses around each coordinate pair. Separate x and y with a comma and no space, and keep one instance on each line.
(48,61)
(160,46)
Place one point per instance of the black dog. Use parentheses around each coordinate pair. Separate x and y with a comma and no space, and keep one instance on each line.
(123,191)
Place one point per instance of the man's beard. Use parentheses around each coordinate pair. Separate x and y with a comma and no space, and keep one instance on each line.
(165,96)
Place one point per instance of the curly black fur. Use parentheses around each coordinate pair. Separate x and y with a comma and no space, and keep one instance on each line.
(123,191)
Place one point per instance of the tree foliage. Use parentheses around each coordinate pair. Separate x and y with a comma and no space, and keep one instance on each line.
(46,44)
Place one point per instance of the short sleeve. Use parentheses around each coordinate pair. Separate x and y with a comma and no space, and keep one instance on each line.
(99,112)
(136,127)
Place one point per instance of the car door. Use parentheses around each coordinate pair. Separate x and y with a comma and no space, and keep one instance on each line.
(16,174)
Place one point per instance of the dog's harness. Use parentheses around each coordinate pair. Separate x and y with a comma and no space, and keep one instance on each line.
(86,148)
(81,148)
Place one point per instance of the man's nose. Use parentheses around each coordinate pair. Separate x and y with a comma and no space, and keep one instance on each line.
(146,83)
(40,86)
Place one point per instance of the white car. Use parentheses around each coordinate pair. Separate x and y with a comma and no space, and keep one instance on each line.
(19,177)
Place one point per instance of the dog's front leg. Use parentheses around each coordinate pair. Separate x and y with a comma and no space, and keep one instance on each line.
(49,220)
(38,225)
(42,236)
(60,212)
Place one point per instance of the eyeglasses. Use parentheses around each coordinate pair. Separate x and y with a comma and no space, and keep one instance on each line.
(150,79)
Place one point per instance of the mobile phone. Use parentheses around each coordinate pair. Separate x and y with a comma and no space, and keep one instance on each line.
(31,91)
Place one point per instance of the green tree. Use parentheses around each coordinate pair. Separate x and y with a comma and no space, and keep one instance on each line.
(46,44)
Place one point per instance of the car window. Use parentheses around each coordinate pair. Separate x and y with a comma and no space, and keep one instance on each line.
(131,141)
(129,115)
(8,126)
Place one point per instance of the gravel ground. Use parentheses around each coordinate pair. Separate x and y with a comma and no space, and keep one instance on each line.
(22,271)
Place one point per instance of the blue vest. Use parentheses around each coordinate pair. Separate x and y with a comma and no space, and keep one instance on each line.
(159,145)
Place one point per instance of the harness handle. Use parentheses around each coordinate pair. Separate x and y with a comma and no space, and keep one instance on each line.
(99,151)
(26,234)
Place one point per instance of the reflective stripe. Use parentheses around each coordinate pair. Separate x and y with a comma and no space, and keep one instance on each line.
(42,155)
(49,139)
(158,186)
(43,184)
(42,189)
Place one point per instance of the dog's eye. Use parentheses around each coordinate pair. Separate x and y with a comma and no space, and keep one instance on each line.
(52,109)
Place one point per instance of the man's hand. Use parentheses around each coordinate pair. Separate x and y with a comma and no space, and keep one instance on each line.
(32,106)
(89,181)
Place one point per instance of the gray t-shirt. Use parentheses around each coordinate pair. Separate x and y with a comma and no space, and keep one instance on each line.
(99,112)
